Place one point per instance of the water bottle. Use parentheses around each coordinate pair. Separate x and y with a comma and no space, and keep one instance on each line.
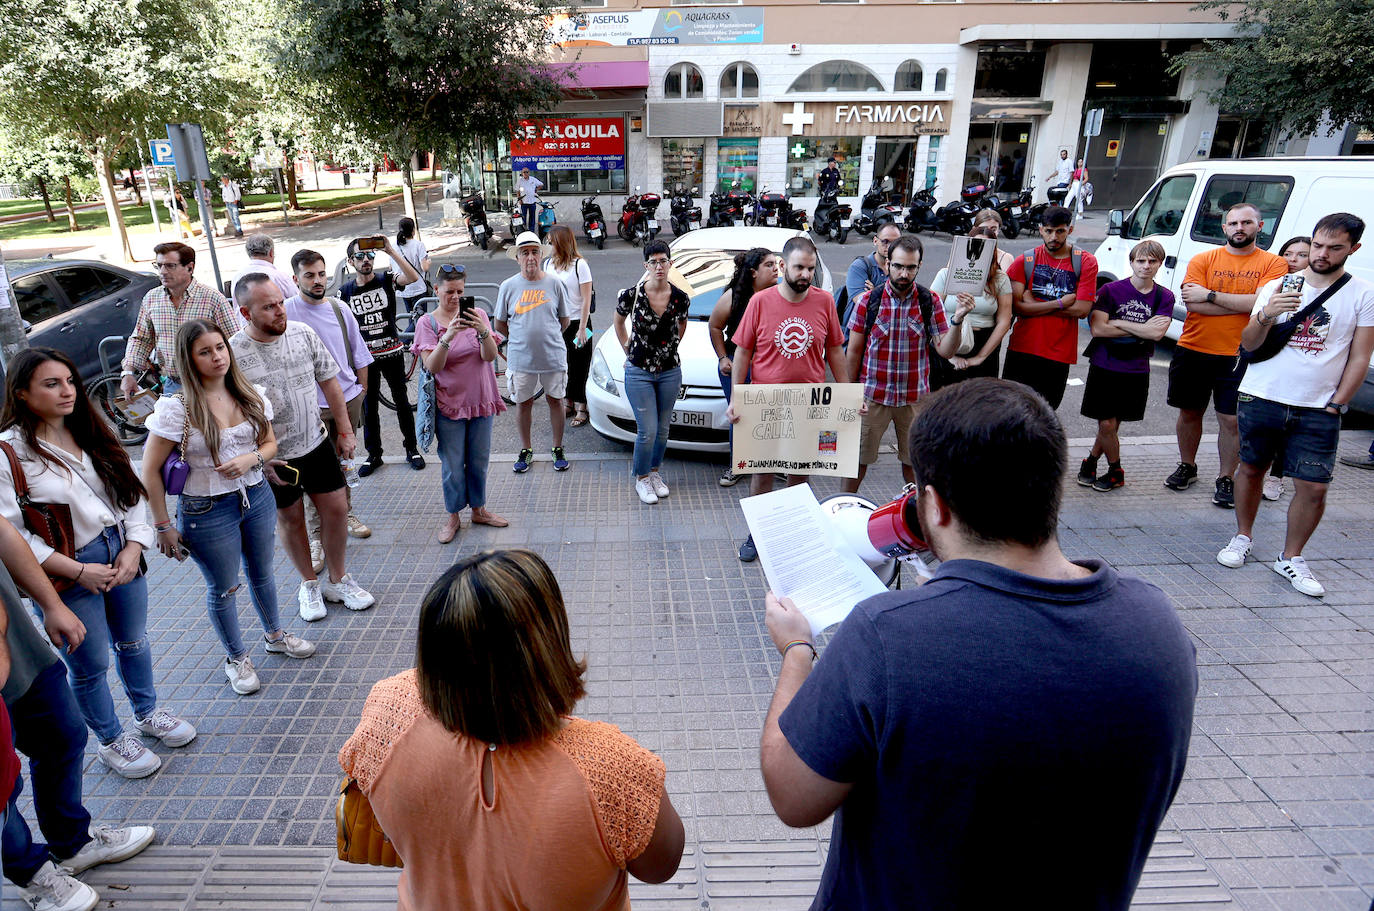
(350,472)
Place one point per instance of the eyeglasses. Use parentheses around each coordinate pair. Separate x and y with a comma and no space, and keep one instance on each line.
(903,267)
(365,254)
(453,269)
(160,266)
(657,263)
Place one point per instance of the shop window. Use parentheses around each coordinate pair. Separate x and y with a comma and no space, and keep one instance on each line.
(1009,73)
(933,161)
(1268,194)
(682,161)
(737,164)
(807,157)
(683,81)
(942,81)
(1161,211)
(740,80)
(908,77)
(585,181)
(837,76)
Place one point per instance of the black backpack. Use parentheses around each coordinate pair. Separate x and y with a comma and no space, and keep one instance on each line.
(925,302)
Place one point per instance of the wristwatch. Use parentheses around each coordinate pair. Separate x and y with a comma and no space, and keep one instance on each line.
(1341,407)
(1211,297)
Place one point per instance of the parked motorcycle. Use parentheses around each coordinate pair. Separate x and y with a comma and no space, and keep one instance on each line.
(474,208)
(548,217)
(517,218)
(1035,215)
(633,226)
(683,216)
(832,219)
(875,211)
(593,222)
(771,209)
(957,217)
(648,204)
(720,214)
(743,203)
(921,216)
(1009,208)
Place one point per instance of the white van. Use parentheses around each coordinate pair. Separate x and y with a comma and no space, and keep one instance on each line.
(1185,209)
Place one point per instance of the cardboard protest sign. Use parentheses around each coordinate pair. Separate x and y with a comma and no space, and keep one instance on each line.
(797,428)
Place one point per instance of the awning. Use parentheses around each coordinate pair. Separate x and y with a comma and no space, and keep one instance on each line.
(616,74)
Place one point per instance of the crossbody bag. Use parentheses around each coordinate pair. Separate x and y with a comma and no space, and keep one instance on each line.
(1279,335)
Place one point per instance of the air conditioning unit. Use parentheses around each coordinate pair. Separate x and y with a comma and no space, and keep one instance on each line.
(794,49)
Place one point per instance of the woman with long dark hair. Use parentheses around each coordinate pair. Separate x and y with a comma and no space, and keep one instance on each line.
(69,456)
(409,245)
(755,270)
(225,513)
(572,270)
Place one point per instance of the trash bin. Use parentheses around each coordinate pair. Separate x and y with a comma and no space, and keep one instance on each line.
(347,177)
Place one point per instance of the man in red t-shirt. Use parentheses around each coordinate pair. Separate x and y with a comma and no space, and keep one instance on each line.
(1048,304)
(788,334)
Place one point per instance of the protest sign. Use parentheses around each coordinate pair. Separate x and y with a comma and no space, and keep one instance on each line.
(970,260)
(797,428)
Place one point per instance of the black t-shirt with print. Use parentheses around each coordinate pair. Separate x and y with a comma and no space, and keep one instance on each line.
(653,338)
(374,304)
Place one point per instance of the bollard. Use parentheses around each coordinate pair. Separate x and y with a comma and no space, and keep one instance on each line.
(380,226)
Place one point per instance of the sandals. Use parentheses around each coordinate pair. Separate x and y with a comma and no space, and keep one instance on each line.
(581,417)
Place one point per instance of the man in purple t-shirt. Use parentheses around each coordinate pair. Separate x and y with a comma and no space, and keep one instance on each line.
(1129,317)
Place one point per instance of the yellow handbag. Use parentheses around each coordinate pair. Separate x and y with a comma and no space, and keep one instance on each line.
(361,839)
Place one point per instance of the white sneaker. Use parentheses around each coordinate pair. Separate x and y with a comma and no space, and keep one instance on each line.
(316,554)
(1234,554)
(243,679)
(353,596)
(108,845)
(645,489)
(128,757)
(291,646)
(1273,487)
(168,728)
(52,890)
(1295,570)
(311,601)
(659,487)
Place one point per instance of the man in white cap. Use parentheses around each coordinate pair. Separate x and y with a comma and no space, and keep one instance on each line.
(532,311)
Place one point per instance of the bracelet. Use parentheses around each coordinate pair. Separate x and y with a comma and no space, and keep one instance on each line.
(81,572)
(796,642)
(443,344)
(483,338)
(260,461)
(163,526)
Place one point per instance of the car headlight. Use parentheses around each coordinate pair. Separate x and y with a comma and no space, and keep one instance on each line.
(601,373)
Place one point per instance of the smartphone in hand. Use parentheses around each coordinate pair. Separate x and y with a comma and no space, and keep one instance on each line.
(372,243)
(466,304)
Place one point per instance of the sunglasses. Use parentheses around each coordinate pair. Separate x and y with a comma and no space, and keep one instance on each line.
(453,269)
(365,254)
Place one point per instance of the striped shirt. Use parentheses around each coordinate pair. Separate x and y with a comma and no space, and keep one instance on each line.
(159,319)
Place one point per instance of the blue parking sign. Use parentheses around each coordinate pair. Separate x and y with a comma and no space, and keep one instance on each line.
(161,152)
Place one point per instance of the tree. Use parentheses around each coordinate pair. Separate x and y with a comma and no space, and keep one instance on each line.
(413,76)
(1303,64)
(25,157)
(102,74)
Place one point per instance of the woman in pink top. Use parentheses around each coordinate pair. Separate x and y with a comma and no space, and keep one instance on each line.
(458,347)
(494,797)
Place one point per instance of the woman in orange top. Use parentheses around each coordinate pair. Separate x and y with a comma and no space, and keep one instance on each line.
(492,794)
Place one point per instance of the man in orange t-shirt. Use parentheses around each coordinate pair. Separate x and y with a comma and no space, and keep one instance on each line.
(1219,290)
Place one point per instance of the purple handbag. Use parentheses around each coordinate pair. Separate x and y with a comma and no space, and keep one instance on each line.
(174,467)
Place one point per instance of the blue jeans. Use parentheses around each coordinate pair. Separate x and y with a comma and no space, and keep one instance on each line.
(651,398)
(48,730)
(116,619)
(1305,438)
(464,451)
(220,531)
(233,209)
(725,387)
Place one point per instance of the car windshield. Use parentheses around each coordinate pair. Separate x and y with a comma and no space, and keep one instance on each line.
(703,274)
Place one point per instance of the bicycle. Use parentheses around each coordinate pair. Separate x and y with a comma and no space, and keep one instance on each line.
(126,416)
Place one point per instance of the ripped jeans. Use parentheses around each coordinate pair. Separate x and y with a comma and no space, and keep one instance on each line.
(220,531)
(118,620)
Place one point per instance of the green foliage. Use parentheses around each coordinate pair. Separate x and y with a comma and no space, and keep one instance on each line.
(1296,61)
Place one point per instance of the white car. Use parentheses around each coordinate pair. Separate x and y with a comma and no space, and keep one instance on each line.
(703,262)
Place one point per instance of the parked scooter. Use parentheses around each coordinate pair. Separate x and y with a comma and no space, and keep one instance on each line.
(743,203)
(921,216)
(517,218)
(720,214)
(593,222)
(957,217)
(548,217)
(875,211)
(633,226)
(1035,215)
(832,219)
(648,204)
(474,208)
(1009,208)
(771,209)
(683,216)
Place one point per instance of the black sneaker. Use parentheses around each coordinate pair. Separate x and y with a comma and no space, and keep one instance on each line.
(416,460)
(1225,497)
(522,461)
(1184,476)
(1087,472)
(748,553)
(371,465)
(1111,480)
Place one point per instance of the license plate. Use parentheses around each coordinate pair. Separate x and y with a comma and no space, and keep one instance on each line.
(846,222)
(479,229)
(517,223)
(653,225)
(696,225)
(1015,210)
(772,219)
(691,418)
(595,232)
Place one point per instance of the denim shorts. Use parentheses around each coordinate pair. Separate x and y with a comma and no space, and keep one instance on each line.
(1307,438)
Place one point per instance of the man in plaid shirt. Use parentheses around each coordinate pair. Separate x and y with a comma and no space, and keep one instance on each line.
(891,353)
(164,309)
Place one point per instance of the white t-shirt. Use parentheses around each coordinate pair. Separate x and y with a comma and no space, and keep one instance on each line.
(572,278)
(1063,171)
(289,367)
(414,252)
(1307,371)
(529,189)
(230,192)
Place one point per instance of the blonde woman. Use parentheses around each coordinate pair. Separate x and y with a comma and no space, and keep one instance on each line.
(226,513)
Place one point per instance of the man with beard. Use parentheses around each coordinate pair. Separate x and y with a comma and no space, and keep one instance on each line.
(336,326)
(1052,288)
(1219,290)
(372,298)
(289,361)
(1291,404)
(892,331)
(788,334)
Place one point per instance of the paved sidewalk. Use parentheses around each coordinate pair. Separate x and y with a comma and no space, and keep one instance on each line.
(1277,810)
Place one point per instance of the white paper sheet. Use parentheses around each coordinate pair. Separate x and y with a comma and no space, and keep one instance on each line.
(801,558)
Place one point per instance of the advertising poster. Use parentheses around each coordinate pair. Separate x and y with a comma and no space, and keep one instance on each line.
(569,144)
(797,428)
(690,25)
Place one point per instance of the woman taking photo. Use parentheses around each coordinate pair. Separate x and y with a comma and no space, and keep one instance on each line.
(572,270)
(458,347)
(755,271)
(520,805)
(657,311)
(69,456)
(409,245)
(225,512)
(990,318)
